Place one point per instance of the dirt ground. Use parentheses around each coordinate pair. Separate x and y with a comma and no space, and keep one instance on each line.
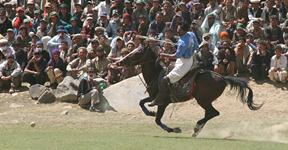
(236,121)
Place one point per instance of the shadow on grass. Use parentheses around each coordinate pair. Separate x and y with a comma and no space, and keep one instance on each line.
(216,139)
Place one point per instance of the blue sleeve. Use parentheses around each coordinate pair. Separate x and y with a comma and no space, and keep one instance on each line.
(180,49)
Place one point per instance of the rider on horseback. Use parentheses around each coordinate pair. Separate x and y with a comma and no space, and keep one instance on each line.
(186,46)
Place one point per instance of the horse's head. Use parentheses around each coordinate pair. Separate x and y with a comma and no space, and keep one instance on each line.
(137,57)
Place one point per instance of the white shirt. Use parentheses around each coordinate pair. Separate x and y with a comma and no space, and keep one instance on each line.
(279,63)
(103,7)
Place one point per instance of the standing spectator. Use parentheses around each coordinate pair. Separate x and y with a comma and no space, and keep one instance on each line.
(212,6)
(19,19)
(30,8)
(167,11)
(269,11)
(157,25)
(255,11)
(103,7)
(128,7)
(242,12)
(154,10)
(278,67)
(228,13)
(10,74)
(212,25)
(5,23)
(113,24)
(56,40)
(64,14)
(139,10)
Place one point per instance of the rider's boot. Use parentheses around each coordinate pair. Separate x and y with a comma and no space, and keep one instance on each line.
(163,93)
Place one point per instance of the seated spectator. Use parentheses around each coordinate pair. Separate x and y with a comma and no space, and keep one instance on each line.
(10,37)
(5,49)
(259,62)
(204,58)
(10,75)
(226,58)
(63,48)
(115,52)
(89,92)
(273,32)
(242,52)
(20,54)
(2,58)
(78,66)
(168,48)
(34,72)
(100,63)
(278,66)
(38,47)
(42,29)
(116,74)
(104,42)
(77,41)
(56,69)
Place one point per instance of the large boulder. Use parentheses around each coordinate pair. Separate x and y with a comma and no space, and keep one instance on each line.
(67,90)
(125,95)
(36,91)
(47,97)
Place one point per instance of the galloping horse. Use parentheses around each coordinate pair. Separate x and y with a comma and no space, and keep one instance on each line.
(207,88)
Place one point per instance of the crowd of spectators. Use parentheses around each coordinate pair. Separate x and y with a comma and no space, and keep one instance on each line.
(45,40)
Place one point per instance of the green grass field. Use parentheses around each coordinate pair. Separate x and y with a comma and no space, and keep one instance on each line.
(115,136)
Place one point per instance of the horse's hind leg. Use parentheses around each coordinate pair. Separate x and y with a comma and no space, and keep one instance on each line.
(210,112)
(143,107)
(159,115)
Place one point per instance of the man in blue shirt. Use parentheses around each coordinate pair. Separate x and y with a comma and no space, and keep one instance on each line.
(186,46)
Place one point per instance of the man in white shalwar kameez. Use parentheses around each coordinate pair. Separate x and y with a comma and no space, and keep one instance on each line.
(278,67)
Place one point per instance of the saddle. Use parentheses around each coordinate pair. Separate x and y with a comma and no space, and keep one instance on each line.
(184,89)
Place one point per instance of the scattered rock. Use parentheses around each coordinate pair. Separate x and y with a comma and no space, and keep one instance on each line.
(47,97)
(65,112)
(67,90)
(67,107)
(32,124)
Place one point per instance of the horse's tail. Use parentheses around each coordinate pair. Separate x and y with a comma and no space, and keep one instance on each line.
(241,86)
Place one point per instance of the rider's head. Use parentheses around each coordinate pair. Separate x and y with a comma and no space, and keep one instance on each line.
(182,29)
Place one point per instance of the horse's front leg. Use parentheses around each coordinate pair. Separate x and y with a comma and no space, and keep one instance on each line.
(159,115)
(144,108)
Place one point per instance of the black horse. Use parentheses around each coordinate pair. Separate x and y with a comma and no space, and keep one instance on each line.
(208,87)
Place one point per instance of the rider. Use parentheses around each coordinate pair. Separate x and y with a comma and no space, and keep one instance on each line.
(186,46)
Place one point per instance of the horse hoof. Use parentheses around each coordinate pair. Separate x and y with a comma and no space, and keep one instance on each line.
(197,130)
(194,135)
(177,130)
